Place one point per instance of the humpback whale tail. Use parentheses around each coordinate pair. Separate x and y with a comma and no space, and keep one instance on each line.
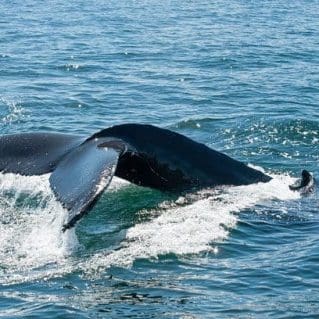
(142,154)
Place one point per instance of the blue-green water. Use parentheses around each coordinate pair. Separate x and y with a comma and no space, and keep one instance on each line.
(240,76)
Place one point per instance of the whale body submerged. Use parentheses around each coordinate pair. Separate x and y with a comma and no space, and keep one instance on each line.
(81,168)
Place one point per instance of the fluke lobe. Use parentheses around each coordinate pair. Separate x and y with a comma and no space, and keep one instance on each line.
(142,154)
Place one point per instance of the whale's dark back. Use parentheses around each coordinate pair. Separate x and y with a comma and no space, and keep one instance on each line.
(167,160)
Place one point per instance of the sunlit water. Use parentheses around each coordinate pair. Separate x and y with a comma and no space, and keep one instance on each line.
(241,77)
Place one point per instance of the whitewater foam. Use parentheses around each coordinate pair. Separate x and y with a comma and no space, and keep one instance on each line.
(31,221)
(194,228)
(30,224)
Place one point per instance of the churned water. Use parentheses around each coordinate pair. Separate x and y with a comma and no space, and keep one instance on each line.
(241,77)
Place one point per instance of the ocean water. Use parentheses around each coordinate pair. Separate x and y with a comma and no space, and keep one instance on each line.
(241,77)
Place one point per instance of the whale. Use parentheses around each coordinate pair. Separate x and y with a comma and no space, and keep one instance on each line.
(82,167)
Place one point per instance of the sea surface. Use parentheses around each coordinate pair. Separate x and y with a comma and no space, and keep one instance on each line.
(241,77)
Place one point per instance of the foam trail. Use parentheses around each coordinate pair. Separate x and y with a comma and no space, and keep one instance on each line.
(192,228)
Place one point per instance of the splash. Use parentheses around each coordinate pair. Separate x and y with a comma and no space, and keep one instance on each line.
(30,226)
(32,245)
